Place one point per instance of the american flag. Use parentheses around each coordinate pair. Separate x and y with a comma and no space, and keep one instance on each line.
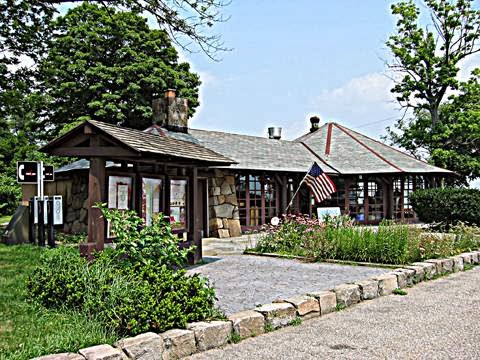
(319,183)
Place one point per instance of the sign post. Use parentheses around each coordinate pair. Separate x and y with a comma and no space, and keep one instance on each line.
(35,172)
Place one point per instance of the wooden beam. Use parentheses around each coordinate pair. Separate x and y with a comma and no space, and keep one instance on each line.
(284,187)
(96,194)
(194,225)
(102,151)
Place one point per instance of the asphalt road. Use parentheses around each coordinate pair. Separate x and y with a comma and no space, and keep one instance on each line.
(438,319)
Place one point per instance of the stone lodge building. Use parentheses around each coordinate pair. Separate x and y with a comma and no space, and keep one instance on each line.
(219,184)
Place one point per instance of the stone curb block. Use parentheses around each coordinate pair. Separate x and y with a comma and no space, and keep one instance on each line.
(419,273)
(401,278)
(148,346)
(457,263)
(278,314)
(102,352)
(467,259)
(447,265)
(429,269)
(473,257)
(209,335)
(409,276)
(386,284)
(476,255)
(327,301)
(306,306)
(247,323)
(178,344)
(347,294)
(438,265)
(368,289)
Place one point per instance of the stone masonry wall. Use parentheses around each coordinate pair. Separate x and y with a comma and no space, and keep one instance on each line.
(224,216)
(76,218)
(75,201)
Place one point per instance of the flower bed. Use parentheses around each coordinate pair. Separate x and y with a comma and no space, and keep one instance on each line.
(338,238)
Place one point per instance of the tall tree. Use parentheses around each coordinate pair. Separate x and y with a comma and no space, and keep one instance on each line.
(427,58)
(24,23)
(108,65)
(454,142)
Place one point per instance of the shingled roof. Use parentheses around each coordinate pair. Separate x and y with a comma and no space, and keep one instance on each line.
(259,153)
(143,143)
(337,149)
(353,153)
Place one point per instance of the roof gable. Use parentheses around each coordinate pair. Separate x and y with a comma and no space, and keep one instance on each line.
(133,143)
(353,153)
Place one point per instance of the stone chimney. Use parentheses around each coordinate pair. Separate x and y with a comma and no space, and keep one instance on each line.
(171,112)
(314,120)
(275,133)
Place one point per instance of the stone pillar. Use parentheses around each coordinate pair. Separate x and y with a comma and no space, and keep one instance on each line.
(224,216)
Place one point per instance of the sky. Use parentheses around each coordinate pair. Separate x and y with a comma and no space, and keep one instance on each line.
(294,59)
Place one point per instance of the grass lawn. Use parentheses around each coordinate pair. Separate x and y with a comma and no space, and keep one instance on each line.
(27,329)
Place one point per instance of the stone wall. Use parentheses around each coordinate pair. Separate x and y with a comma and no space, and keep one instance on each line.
(224,220)
(74,191)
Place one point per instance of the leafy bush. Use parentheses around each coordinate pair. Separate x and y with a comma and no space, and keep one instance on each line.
(144,245)
(70,238)
(135,288)
(10,195)
(447,206)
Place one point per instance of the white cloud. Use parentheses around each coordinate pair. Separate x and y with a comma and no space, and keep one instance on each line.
(363,102)
(467,65)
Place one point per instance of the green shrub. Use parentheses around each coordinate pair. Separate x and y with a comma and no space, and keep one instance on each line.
(135,288)
(447,206)
(144,245)
(10,195)
(70,238)
(130,300)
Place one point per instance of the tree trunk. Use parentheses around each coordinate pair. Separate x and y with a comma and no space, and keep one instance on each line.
(434,114)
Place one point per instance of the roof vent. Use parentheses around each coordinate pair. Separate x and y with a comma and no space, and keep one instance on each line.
(275,133)
(314,120)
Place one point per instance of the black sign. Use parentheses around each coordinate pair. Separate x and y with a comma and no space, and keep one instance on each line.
(48,173)
(27,172)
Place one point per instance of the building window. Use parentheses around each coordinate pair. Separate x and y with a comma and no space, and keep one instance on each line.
(408,188)
(337,199)
(397,199)
(375,201)
(151,199)
(270,194)
(356,199)
(257,199)
(178,204)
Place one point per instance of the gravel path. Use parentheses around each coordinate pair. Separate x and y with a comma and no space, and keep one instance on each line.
(436,320)
(243,281)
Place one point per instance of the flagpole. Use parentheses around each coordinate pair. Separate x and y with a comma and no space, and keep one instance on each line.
(299,186)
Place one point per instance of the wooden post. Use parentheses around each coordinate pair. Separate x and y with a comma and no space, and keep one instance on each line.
(193,221)
(284,185)
(96,191)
